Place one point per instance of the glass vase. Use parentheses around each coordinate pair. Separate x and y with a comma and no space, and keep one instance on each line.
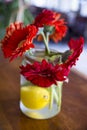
(37,102)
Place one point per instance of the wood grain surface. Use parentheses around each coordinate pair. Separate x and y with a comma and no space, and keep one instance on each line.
(73,115)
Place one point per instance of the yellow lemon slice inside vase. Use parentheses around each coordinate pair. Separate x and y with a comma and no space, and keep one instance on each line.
(34,97)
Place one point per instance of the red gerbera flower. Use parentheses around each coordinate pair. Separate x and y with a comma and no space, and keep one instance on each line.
(62,71)
(76,46)
(46,17)
(18,39)
(44,74)
(60,30)
(51,18)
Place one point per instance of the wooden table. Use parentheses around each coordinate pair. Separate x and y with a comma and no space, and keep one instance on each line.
(73,115)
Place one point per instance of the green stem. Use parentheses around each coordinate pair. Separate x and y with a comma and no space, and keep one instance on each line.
(55,95)
(51,97)
(59,91)
(46,41)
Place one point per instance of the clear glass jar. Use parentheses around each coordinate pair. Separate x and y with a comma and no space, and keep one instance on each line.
(53,106)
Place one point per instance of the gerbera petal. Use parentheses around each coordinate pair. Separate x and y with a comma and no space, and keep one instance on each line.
(76,47)
(52,18)
(16,33)
(60,30)
(44,74)
(46,17)
(62,71)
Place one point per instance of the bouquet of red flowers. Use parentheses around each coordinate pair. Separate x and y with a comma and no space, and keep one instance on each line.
(56,65)
(47,25)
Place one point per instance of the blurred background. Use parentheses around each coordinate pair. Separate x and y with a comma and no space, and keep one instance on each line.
(74,12)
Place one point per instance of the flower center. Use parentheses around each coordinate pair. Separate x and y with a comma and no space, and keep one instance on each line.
(20,44)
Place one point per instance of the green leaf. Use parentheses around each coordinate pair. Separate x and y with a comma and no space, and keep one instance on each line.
(2,33)
(28,17)
(65,55)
